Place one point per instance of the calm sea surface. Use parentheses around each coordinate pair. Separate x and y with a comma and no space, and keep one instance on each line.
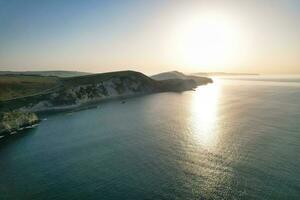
(238,138)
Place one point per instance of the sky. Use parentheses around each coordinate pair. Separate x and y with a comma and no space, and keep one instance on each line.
(151,36)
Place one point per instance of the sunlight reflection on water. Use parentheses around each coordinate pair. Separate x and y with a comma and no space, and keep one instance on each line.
(204,114)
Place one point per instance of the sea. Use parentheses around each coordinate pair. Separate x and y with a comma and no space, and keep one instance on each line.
(238,138)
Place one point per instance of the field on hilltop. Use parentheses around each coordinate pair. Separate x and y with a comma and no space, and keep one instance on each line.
(17,86)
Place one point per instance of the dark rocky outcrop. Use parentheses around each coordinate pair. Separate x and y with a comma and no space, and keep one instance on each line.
(11,122)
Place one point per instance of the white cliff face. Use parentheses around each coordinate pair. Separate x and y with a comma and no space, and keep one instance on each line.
(77,95)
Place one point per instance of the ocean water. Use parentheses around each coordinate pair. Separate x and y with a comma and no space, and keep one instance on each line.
(238,138)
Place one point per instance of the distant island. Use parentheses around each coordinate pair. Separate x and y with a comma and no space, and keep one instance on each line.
(224,74)
(25,94)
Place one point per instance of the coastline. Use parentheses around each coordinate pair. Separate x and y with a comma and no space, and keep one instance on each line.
(74,107)
(93,102)
(85,92)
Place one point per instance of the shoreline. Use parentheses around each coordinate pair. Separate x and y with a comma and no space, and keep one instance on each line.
(87,104)
(42,113)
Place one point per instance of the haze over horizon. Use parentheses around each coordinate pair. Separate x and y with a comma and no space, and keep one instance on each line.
(151,36)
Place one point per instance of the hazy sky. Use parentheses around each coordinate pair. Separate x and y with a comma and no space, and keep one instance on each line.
(151,36)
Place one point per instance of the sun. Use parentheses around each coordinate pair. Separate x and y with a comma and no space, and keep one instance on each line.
(209,40)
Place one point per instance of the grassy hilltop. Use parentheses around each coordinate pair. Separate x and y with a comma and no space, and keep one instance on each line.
(16,86)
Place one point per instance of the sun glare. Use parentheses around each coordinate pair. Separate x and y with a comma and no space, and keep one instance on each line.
(209,40)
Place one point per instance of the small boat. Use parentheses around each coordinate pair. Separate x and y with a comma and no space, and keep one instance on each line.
(123,102)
